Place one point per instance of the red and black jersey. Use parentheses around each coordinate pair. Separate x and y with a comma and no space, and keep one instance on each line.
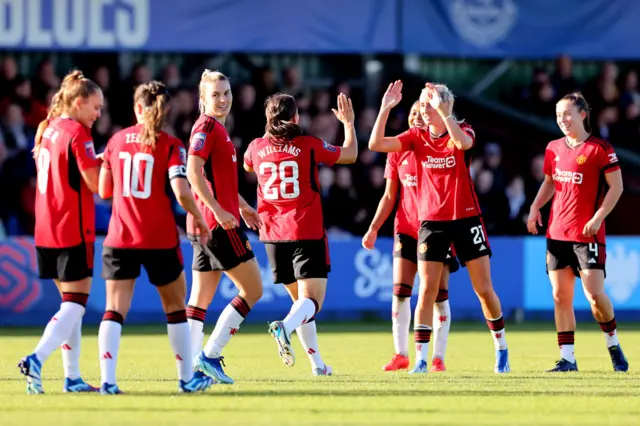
(211,142)
(142,214)
(65,211)
(401,166)
(580,184)
(445,188)
(289,200)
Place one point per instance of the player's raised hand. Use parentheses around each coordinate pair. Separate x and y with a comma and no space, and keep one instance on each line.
(592,227)
(534,220)
(225,219)
(392,96)
(432,95)
(251,217)
(345,112)
(369,239)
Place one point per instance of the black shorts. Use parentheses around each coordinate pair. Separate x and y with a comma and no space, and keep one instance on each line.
(577,256)
(65,264)
(406,247)
(294,260)
(467,236)
(163,266)
(225,250)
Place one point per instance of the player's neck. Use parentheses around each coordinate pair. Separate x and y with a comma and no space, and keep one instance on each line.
(218,118)
(437,131)
(575,140)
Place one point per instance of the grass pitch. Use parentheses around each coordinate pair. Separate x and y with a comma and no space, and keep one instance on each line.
(266,392)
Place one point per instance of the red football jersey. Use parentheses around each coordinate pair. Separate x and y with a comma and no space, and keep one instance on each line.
(289,201)
(210,141)
(445,186)
(142,215)
(65,212)
(402,166)
(579,176)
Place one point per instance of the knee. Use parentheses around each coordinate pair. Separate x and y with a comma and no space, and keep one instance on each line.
(485,293)
(595,298)
(253,294)
(562,298)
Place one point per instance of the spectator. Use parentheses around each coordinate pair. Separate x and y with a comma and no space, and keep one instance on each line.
(493,163)
(518,207)
(562,79)
(8,74)
(493,203)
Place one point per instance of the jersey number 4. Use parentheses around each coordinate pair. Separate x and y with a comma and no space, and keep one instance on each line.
(271,192)
(132,178)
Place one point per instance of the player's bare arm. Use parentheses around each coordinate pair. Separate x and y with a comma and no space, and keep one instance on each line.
(545,194)
(91,177)
(385,207)
(105,189)
(614,180)
(199,185)
(378,142)
(347,116)
(249,214)
(459,138)
(181,190)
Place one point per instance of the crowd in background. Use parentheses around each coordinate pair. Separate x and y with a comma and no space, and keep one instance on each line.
(350,193)
(614,98)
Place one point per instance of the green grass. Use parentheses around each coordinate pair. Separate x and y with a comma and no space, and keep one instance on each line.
(266,392)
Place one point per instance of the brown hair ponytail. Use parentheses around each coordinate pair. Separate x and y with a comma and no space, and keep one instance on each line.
(154,97)
(74,85)
(280,110)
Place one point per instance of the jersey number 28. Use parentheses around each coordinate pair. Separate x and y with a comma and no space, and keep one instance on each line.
(271,192)
(131,178)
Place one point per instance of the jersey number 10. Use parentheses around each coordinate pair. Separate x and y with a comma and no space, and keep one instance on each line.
(131,174)
(271,192)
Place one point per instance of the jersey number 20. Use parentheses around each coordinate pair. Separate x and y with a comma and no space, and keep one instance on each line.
(271,192)
(131,178)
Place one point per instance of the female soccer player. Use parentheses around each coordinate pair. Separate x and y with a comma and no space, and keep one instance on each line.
(402,167)
(290,208)
(139,161)
(65,226)
(578,169)
(213,174)
(448,210)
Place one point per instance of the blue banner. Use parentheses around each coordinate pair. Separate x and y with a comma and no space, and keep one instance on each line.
(468,28)
(199,25)
(592,29)
(360,286)
(622,283)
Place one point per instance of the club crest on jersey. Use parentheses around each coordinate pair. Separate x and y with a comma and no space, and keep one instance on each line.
(248,245)
(581,159)
(450,144)
(423,248)
(90,150)
(397,246)
(328,146)
(198,141)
